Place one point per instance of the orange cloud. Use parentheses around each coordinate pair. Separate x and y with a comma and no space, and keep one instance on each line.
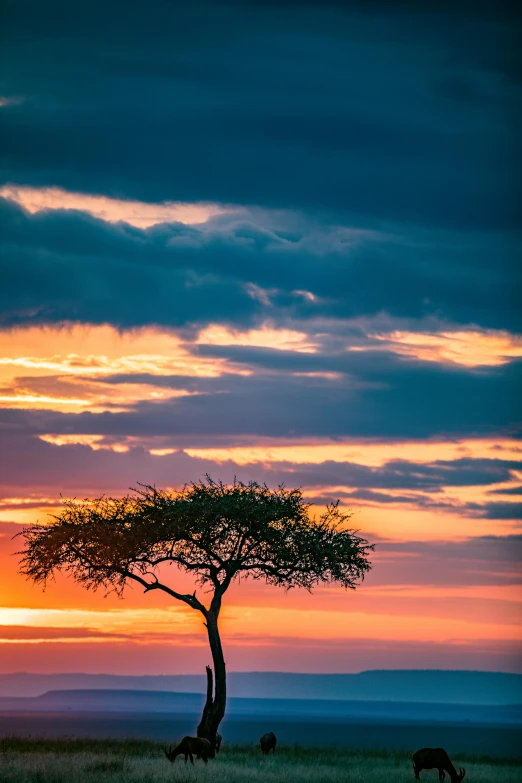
(137,213)
(96,399)
(367,453)
(469,348)
(266,337)
(85,351)
(12,634)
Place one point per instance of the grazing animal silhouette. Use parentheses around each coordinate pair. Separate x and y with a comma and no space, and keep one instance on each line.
(217,744)
(436,758)
(190,747)
(268,743)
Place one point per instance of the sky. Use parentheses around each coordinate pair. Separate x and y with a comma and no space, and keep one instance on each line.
(278,241)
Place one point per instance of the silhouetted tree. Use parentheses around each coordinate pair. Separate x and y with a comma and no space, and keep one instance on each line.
(214,531)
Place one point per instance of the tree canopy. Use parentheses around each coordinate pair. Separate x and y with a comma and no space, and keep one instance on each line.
(214,531)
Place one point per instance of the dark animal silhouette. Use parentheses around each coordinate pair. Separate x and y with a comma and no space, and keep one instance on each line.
(217,744)
(268,743)
(436,758)
(190,747)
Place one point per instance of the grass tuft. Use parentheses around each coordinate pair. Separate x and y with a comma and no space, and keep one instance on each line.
(36,760)
(106,765)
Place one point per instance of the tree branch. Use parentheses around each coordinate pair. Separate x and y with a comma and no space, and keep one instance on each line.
(191,600)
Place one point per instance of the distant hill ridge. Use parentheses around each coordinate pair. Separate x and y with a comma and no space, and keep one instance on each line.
(402,685)
(127,702)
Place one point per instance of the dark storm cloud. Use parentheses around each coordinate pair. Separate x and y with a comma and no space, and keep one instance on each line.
(507,491)
(403,474)
(495,510)
(374,402)
(65,265)
(380,396)
(403,115)
(70,267)
(376,497)
(398,124)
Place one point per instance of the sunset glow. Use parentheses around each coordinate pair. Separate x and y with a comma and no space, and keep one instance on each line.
(91,369)
(279,245)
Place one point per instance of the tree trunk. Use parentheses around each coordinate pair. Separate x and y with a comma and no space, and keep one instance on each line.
(214,709)
(208,703)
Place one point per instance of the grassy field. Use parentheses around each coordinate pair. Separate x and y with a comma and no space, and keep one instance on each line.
(135,761)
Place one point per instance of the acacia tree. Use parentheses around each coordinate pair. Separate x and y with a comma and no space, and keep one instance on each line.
(216,532)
